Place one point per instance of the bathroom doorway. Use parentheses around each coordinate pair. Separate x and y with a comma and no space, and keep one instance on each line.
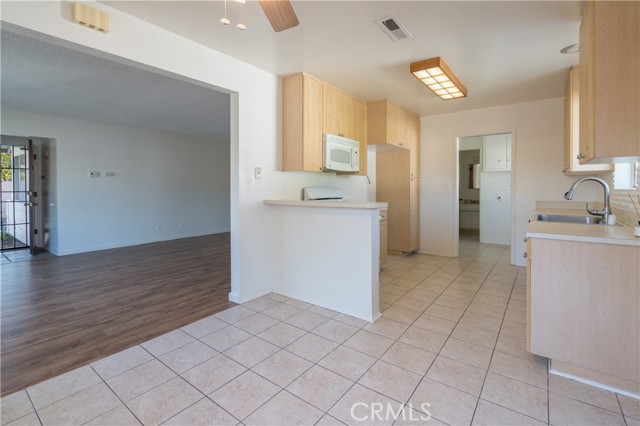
(469,193)
(484,188)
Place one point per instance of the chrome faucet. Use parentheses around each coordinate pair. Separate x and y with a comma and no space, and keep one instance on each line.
(607,208)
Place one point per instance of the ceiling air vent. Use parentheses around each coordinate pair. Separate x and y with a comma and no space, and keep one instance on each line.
(392,27)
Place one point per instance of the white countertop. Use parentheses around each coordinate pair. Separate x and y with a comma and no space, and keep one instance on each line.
(604,234)
(329,204)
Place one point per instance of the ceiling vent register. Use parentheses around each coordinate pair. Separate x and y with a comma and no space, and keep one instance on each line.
(395,29)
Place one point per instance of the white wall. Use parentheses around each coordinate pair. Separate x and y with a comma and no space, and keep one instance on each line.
(538,134)
(255,121)
(161,179)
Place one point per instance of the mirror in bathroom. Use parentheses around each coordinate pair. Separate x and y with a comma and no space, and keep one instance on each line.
(474,176)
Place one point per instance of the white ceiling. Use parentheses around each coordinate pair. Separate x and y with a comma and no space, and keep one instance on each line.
(504,52)
(42,78)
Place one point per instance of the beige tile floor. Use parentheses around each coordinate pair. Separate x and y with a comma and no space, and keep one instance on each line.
(450,346)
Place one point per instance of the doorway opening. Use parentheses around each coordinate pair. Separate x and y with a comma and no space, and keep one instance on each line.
(484,177)
(15,170)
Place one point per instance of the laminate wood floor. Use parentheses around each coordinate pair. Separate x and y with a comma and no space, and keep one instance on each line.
(59,313)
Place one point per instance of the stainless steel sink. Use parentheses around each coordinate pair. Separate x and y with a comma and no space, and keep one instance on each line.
(585,220)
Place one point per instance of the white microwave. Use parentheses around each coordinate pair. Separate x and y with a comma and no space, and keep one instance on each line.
(340,154)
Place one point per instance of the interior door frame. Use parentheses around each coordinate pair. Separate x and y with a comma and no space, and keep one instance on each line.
(34,190)
(456,180)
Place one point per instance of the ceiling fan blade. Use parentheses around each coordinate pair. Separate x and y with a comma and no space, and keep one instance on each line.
(280,14)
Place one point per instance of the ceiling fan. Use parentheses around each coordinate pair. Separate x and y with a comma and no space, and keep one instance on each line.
(280,14)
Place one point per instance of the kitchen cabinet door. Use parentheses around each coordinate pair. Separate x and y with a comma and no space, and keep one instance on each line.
(413,138)
(302,124)
(360,132)
(394,125)
(336,113)
(414,214)
(609,83)
(497,153)
(580,298)
(572,164)
(393,186)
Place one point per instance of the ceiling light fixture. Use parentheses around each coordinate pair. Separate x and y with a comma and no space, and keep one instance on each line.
(241,26)
(439,78)
(572,48)
(226,20)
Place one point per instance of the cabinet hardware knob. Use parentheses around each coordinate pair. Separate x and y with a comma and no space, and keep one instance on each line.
(580,157)
(524,239)
(524,254)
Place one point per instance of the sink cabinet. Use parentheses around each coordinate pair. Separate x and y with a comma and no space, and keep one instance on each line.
(469,220)
(609,83)
(311,108)
(583,309)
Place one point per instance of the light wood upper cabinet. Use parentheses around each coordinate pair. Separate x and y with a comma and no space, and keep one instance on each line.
(572,165)
(311,108)
(302,124)
(336,109)
(359,112)
(387,124)
(610,81)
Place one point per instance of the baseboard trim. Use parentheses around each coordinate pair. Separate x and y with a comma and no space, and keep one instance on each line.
(138,242)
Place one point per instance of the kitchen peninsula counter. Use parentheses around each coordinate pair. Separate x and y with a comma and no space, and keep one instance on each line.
(330,204)
(330,254)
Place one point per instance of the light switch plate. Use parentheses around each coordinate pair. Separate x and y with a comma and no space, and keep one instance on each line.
(258,172)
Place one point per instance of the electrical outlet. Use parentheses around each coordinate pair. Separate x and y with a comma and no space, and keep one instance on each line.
(180,225)
(159,228)
(94,174)
(109,174)
(258,172)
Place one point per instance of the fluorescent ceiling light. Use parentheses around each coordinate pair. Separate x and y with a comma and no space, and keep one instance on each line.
(437,76)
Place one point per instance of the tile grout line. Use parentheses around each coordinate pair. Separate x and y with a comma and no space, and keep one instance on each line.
(492,354)
(32,406)
(379,358)
(117,396)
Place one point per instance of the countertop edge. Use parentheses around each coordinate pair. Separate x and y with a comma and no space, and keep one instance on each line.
(600,234)
(329,204)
